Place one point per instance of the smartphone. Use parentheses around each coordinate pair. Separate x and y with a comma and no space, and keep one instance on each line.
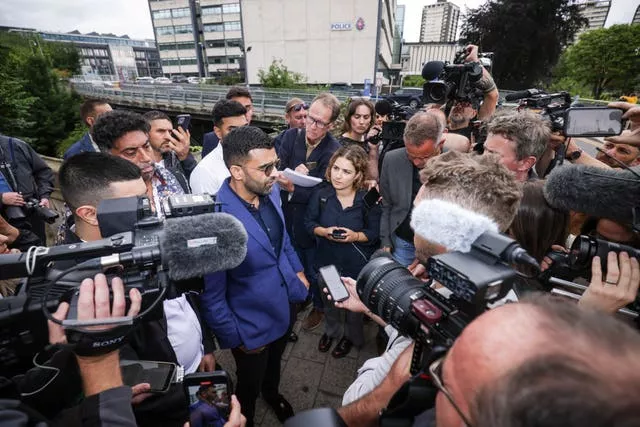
(209,398)
(331,278)
(371,198)
(159,375)
(184,121)
(339,234)
(593,121)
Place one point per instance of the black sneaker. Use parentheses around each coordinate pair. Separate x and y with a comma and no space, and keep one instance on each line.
(281,407)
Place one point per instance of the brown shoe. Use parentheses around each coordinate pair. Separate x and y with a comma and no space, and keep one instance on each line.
(313,320)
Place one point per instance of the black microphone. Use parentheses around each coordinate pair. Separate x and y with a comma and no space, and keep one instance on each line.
(383,107)
(598,192)
(190,247)
(432,70)
(521,94)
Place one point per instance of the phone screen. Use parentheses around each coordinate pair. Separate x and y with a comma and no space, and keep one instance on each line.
(334,283)
(158,374)
(371,198)
(209,400)
(593,122)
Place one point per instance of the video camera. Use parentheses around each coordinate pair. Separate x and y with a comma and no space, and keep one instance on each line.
(155,256)
(32,207)
(550,105)
(448,82)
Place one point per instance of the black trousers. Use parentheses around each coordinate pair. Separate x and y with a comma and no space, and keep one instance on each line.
(258,372)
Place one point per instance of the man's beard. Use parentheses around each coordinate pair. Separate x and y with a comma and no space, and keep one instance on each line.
(257,188)
(458,119)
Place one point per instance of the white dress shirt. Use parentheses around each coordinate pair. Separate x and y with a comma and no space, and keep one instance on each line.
(210,173)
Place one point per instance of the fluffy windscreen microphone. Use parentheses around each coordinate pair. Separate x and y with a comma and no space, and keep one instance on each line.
(432,70)
(193,246)
(598,192)
(383,107)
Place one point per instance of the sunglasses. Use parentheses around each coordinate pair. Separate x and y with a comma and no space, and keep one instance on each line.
(298,107)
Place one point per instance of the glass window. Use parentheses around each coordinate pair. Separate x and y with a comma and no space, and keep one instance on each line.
(232,26)
(212,10)
(183,29)
(234,43)
(215,43)
(162,14)
(182,12)
(164,31)
(214,28)
(231,8)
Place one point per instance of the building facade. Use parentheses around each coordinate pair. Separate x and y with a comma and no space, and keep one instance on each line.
(439,22)
(108,54)
(415,55)
(328,41)
(198,38)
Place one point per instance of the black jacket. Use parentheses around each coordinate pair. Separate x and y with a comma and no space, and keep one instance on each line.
(34,178)
(180,169)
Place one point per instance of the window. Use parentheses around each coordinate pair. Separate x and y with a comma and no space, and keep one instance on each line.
(180,61)
(213,10)
(214,28)
(183,12)
(215,44)
(217,59)
(164,31)
(232,26)
(231,8)
(234,43)
(140,55)
(162,14)
(176,46)
(183,29)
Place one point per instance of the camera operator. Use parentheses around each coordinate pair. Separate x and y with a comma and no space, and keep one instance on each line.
(400,182)
(106,400)
(171,147)
(519,138)
(180,336)
(26,183)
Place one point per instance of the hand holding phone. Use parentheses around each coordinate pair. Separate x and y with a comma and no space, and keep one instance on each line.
(339,234)
(371,198)
(333,282)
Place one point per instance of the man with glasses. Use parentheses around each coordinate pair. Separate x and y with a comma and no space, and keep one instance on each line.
(211,172)
(400,182)
(248,307)
(295,116)
(239,94)
(308,151)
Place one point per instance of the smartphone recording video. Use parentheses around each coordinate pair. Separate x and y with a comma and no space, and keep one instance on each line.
(209,398)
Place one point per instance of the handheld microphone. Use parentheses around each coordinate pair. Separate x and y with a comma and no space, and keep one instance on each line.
(432,70)
(598,192)
(190,247)
(521,94)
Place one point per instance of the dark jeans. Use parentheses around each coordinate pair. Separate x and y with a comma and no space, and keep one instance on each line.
(258,372)
(307,258)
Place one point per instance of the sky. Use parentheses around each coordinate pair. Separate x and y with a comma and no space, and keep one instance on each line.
(132,17)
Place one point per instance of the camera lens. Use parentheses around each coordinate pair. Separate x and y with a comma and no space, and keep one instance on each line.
(583,249)
(438,92)
(388,289)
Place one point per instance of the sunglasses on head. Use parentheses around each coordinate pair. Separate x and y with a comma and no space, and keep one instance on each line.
(298,107)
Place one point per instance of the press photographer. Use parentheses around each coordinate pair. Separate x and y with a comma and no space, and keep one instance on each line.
(26,183)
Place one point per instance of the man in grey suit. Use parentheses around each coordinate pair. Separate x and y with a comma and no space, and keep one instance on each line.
(400,182)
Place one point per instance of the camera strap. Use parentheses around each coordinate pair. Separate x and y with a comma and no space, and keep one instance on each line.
(87,344)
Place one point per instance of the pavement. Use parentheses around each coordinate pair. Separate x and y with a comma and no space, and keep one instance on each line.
(310,379)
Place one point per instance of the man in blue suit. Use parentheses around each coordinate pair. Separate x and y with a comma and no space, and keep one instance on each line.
(248,307)
(89,112)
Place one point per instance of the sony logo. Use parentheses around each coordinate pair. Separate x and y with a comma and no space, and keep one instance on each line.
(107,342)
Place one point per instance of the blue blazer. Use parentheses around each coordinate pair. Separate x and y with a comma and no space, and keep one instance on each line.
(249,305)
(209,143)
(82,145)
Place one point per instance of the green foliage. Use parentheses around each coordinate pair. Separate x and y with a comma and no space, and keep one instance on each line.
(34,105)
(279,76)
(230,79)
(414,80)
(526,36)
(605,59)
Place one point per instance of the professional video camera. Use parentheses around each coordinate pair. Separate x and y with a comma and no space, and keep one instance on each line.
(550,105)
(147,253)
(448,82)
(32,207)
(392,132)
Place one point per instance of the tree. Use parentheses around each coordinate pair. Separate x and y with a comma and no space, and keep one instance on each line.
(279,76)
(414,80)
(604,59)
(526,36)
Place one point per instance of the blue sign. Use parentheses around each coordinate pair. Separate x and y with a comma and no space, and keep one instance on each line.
(367,87)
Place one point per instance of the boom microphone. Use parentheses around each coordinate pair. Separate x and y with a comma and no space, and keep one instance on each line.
(432,70)
(598,192)
(521,94)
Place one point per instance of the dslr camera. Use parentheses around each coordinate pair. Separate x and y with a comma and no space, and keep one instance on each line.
(31,207)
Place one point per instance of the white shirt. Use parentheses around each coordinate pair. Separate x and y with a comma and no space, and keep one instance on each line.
(185,335)
(210,173)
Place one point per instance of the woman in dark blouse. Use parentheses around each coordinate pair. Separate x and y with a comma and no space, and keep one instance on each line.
(358,121)
(340,205)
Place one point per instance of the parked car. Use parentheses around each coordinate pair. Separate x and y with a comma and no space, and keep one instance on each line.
(193,80)
(179,79)
(162,80)
(411,96)
(144,80)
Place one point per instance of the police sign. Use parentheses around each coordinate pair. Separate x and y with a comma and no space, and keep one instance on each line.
(341,26)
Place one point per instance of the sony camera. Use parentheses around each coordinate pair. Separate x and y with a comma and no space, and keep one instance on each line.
(456,82)
(31,207)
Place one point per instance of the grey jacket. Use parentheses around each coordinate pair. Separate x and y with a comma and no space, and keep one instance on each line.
(396,183)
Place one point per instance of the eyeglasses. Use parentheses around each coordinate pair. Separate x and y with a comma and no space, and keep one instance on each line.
(435,372)
(319,124)
(268,168)
(298,107)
